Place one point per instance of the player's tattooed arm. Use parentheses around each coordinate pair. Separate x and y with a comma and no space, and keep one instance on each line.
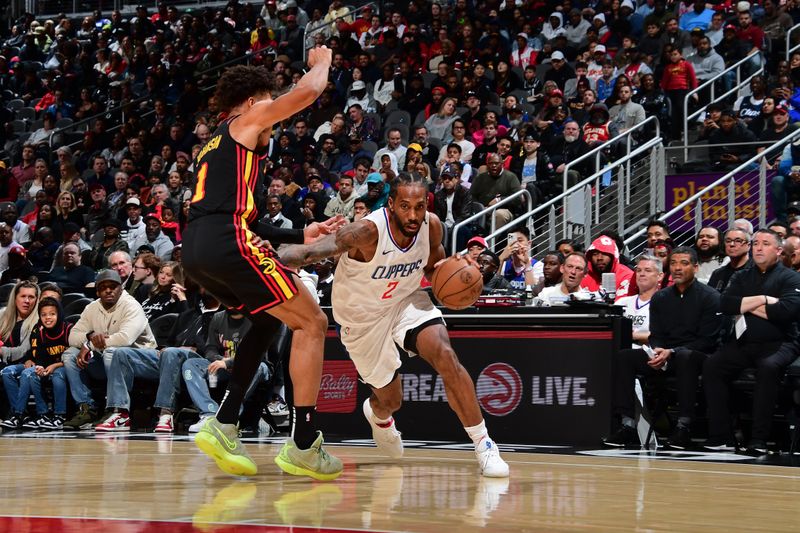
(350,237)
(437,253)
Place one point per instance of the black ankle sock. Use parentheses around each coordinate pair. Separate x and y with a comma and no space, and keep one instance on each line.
(228,412)
(304,430)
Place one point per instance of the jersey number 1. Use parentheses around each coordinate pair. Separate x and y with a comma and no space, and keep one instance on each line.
(389,288)
(200,189)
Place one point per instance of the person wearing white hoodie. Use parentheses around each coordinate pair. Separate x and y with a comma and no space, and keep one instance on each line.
(553,27)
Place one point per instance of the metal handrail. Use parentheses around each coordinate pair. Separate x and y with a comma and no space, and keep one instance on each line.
(789,48)
(309,30)
(487,210)
(597,151)
(721,181)
(711,83)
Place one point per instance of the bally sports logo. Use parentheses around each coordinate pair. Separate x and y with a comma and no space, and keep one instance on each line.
(499,389)
(338,389)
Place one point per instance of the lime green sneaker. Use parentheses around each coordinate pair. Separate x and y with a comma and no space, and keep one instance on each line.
(313,462)
(221,443)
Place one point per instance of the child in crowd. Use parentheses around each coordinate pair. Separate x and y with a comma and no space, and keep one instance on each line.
(49,339)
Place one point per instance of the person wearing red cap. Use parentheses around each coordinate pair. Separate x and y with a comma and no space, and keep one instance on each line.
(475,246)
(777,130)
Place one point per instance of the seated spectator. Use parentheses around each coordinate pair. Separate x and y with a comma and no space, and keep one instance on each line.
(121,263)
(112,242)
(393,146)
(458,131)
(360,126)
(654,101)
(324,271)
(377,192)
(765,301)
(729,152)
(737,250)
(115,320)
(225,332)
(626,114)
(72,276)
(535,169)
(710,252)
(603,258)
(649,276)
(186,340)
(145,269)
(656,230)
(475,246)
(440,124)
(572,273)
(452,203)
(19,268)
(776,129)
(684,325)
(567,148)
(50,290)
(494,185)
(341,204)
(154,237)
(348,159)
(17,322)
(551,271)
(168,293)
(314,206)
(133,228)
(21,232)
(66,211)
(360,209)
(518,267)
(42,363)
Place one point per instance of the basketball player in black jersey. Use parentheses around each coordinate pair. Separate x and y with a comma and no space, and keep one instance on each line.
(223,252)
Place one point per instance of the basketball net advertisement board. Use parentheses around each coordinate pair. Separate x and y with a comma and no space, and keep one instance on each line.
(533,387)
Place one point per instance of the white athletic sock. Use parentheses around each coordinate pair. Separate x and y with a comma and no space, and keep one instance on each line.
(477,433)
(381,422)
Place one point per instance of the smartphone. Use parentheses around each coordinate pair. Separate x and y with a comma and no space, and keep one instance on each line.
(649,351)
(511,239)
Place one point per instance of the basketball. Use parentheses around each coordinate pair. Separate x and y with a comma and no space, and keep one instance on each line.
(456,283)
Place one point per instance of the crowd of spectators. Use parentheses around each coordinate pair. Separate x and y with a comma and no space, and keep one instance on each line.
(480,99)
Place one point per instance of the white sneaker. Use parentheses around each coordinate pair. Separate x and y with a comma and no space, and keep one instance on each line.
(489,460)
(388,439)
(197,426)
(164,424)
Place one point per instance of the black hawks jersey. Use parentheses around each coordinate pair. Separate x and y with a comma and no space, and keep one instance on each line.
(226,178)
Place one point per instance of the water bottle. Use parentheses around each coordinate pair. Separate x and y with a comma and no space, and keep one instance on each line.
(212,380)
(528,296)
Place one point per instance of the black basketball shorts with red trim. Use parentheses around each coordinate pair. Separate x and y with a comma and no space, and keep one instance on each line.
(222,259)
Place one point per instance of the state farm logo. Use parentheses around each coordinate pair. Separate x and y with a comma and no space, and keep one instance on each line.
(338,389)
(499,389)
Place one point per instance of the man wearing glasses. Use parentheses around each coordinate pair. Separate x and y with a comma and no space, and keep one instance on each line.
(737,248)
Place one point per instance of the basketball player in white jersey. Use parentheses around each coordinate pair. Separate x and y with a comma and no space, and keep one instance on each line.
(378,303)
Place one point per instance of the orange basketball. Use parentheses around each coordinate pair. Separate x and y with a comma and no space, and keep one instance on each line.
(456,283)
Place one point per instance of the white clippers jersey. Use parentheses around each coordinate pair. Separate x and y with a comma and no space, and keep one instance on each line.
(363,292)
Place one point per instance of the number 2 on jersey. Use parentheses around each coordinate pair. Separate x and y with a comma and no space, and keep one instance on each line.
(389,288)
(200,189)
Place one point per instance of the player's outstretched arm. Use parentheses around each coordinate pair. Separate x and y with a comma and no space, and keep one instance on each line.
(437,248)
(360,234)
(265,114)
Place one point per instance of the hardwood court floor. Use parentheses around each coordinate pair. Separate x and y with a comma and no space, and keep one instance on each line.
(61,483)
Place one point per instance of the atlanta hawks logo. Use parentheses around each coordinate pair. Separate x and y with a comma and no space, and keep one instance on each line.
(499,389)
(268,264)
